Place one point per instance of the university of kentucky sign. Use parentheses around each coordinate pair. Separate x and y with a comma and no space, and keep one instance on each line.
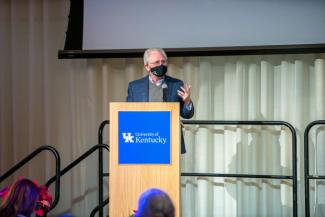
(144,137)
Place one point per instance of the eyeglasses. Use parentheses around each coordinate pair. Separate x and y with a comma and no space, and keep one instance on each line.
(159,62)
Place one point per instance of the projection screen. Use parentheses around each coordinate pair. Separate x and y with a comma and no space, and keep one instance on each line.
(113,25)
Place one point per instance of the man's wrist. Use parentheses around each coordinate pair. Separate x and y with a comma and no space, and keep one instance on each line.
(188,105)
(187,102)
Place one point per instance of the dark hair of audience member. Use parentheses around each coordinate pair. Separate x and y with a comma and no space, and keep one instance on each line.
(155,203)
(21,199)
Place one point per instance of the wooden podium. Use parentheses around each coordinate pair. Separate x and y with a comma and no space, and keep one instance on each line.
(132,171)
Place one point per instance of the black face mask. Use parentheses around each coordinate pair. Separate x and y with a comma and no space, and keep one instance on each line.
(159,70)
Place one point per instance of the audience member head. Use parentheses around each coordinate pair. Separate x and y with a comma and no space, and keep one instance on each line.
(20,200)
(155,203)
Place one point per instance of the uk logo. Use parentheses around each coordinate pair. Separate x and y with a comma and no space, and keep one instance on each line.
(128,138)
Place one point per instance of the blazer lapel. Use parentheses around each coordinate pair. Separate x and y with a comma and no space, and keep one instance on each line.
(145,85)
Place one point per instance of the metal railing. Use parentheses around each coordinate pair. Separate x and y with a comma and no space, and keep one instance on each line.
(293,177)
(78,160)
(101,169)
(30,157)
(306,161)
(100,206)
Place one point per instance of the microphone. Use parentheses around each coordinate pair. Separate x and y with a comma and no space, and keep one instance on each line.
(165,89)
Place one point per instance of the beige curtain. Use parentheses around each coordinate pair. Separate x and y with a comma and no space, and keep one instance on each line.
(275,87)
(61,103)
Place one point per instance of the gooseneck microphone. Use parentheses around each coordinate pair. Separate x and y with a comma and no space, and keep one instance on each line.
(165,91)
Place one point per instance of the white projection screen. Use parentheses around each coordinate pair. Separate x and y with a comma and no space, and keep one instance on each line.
(125,28)
(138,24)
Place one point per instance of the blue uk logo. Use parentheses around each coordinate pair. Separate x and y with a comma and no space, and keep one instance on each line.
(128,138)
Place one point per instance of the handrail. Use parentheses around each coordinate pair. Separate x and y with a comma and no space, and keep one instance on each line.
(30,157)
(77,161)
(100,206)
(237,175)
(294,154)
(100,166)
(209,122)
(306,161)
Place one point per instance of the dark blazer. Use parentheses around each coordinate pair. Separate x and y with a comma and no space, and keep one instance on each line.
(138,91)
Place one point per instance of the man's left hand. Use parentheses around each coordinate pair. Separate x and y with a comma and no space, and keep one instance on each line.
(185,93)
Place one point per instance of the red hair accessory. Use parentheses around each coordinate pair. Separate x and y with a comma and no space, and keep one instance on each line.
(44,201)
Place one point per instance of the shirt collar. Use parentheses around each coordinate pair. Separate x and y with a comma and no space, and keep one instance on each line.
(158,83)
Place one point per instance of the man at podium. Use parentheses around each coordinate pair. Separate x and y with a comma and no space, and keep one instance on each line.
(159,87)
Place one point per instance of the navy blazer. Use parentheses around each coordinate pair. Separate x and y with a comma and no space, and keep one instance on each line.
(138,91)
